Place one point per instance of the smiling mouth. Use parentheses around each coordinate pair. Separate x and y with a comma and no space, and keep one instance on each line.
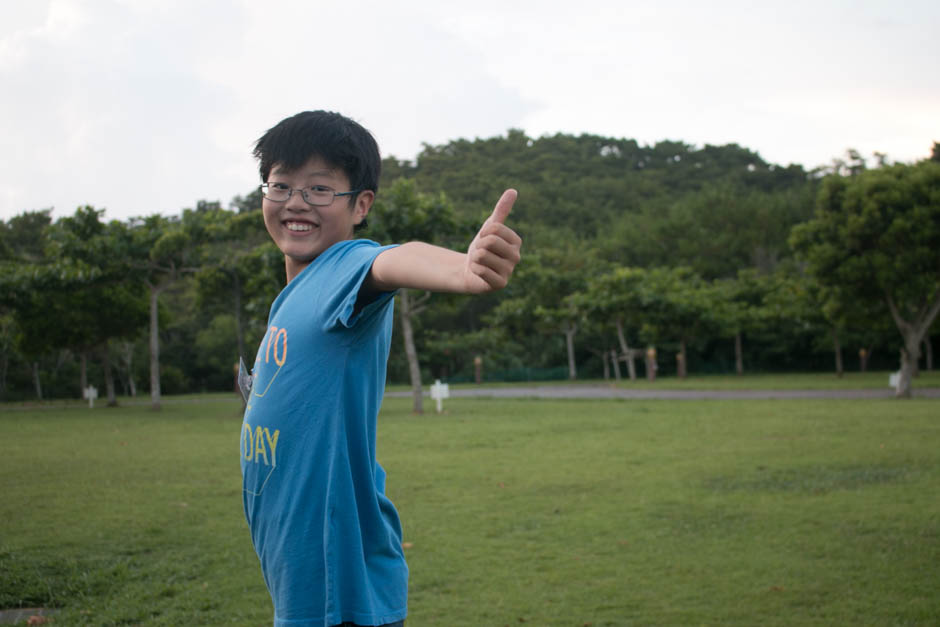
(299,227)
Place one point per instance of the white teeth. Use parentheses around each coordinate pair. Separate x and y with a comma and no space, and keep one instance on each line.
(299,226)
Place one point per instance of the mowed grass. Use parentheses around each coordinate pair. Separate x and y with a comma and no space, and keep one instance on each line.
(515,512)
(127,516)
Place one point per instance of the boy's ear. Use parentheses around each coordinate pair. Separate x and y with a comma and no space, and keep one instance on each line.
(364,200)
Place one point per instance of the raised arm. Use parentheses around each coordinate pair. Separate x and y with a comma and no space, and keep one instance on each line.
(485,267)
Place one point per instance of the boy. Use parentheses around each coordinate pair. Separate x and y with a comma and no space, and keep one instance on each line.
(328,539)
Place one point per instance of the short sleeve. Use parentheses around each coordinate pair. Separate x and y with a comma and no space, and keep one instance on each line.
(348,264)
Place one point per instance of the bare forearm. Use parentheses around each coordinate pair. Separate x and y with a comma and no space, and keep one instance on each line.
(486,266)
(417,265)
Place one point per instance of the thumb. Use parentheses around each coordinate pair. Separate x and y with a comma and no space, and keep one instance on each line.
(504,206)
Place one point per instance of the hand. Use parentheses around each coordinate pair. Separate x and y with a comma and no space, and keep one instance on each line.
(494,252)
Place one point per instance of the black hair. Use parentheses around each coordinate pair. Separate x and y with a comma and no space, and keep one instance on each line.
(341,142)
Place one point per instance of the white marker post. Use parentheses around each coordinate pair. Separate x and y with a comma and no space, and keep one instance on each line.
(894,380)
(90,393)
(440,391)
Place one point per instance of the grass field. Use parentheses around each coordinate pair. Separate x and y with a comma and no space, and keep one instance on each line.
(565,513)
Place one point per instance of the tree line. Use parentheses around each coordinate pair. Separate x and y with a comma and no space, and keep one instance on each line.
(663,259)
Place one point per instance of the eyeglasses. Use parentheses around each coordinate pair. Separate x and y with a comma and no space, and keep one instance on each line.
(316,195)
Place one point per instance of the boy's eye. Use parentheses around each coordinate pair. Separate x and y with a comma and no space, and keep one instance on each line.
(279,186)
(322,189)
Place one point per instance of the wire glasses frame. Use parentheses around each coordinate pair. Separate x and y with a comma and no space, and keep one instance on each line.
(316,196)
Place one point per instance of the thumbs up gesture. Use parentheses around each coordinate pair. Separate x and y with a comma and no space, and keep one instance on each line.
(495,251)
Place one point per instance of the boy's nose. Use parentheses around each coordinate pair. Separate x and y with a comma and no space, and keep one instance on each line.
(296,202)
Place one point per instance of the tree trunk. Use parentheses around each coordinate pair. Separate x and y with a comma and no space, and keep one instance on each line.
(239,333)
(913,332)
(414,369)
(628,353)
(681,359)
(569,330)
(909,357)
(4,366)
(83,372)
(36,383)
(651,365)
(154,349)
(837,347)
(127,358)
(738,354)
(239,327)
(108,375)
(614,358)
(863,355)
(605,360)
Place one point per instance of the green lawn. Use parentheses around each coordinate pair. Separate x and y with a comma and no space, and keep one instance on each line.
(516,512)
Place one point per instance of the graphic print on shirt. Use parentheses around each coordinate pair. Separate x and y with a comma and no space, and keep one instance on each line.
(258,442)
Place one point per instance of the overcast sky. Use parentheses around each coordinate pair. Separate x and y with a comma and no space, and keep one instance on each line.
(146,106)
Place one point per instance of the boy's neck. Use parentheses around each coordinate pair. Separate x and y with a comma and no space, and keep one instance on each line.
(294,267)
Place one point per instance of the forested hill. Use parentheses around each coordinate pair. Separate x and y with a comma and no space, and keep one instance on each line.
(717,208)
(681,249)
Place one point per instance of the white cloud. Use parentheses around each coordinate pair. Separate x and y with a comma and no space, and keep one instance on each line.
(145,106)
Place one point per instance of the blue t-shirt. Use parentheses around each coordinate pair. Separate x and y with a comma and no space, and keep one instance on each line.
(328,539)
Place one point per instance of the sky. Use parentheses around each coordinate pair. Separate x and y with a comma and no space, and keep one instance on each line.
(148,106)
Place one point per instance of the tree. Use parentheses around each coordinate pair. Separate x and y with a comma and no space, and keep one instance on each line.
(405,214)
(740,307)
(161,250)
(111,307)
(876,236)
(8,335)
(679,307)
(228,264)
(715,230)
(22,244)
(542,295)
(597,335)
(614,297)
(54,286)
(37,314)
(22,239)
(796,299)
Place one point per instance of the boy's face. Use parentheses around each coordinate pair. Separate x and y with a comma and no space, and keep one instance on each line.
(303,231)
